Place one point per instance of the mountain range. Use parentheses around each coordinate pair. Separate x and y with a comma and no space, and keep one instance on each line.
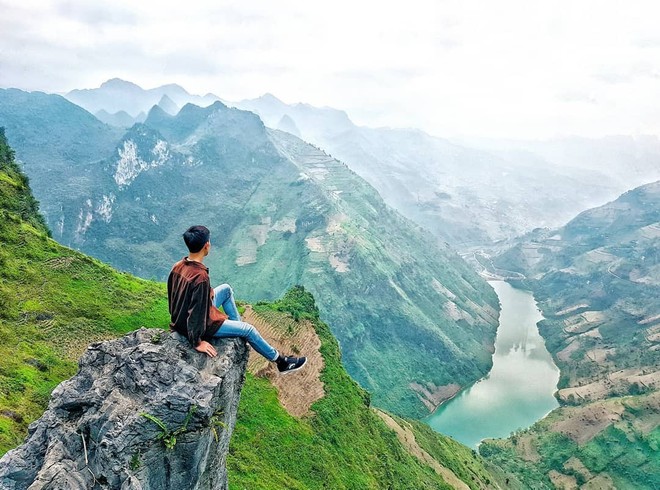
(415,322)
(458,190)
(473,192)
(116,96)
(54,301)
(597,281)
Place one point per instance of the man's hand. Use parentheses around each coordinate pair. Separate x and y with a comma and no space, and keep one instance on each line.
(206,348)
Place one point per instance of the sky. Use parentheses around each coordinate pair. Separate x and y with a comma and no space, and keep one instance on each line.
(498,69)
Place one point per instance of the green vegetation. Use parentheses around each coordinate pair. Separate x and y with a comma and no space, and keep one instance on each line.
(169,436)
(597,281)
(16,198)
(343,444)
(56,301)
(407,310)
(625,451)
(53,302)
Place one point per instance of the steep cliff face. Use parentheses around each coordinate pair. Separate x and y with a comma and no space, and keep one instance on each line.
(144,411)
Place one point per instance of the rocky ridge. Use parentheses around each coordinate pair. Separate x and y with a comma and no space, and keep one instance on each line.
(144,411)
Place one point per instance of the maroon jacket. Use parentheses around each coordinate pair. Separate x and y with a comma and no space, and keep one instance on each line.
(189,295)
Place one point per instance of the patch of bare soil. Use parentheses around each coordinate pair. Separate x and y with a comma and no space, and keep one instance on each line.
(561,481)
(571,309)
(614,381)
(299,390)
(407,439)
(583,322)
(527,449)
(584,423)
(576,465)
(601,482)
(565,354)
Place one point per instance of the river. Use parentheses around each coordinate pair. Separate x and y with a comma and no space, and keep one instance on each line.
(519,389)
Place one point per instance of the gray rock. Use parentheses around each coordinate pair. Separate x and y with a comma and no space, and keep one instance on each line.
(94,434)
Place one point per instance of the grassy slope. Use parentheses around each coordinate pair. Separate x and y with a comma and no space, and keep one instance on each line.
(54,301)
(344,445)
(626,450)
(605,258)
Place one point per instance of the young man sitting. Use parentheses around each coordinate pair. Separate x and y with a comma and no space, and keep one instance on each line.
(194,306)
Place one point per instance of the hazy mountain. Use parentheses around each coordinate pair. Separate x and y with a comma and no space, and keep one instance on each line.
(119,119)
(287,124)
(315,123)
(414,320)
(467,194)
(168,105)
(597,281)
(627,160)
(119,95)
(464,195)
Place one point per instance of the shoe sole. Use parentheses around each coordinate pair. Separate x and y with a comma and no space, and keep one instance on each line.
(296,369)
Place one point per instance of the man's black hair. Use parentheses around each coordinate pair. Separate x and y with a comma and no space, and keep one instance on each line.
(196,237)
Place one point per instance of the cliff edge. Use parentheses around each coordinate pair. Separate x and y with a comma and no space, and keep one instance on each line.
(143,411)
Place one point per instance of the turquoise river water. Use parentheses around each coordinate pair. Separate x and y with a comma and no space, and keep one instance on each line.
(519,389)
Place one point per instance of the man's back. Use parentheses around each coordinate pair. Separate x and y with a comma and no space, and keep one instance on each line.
(189,297)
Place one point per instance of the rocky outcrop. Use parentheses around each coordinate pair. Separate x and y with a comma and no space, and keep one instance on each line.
(144,412)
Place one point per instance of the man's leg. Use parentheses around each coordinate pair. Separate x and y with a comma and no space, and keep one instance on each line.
(224,296)
(233,328)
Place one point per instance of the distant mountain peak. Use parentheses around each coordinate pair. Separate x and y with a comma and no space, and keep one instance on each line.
(119,83)
(168,105)
(289,125)
(268,97)
(173,87)
(157,109)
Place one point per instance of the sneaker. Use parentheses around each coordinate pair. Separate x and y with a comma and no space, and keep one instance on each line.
(290,364)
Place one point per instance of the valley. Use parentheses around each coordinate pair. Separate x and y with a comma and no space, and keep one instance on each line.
(518,390)
(56,301)
(415,322)
(597,283)
(412,317)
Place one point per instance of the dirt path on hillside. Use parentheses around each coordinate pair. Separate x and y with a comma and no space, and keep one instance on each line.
(407,439)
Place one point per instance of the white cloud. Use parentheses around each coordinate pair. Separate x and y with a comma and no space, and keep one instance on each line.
(508,68)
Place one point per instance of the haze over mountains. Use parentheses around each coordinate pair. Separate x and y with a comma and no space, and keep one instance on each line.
(119,102)
(458,191)
(415,321)
(461,192)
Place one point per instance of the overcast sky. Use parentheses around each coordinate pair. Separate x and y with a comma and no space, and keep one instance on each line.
(454,68)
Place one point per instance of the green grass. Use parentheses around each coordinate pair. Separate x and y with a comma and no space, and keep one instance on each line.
(343,445)
(53,302)
(627,455)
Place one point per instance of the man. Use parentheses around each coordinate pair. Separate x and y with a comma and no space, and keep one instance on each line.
(194,306)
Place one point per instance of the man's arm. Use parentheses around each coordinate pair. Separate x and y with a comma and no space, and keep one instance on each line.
(197,316)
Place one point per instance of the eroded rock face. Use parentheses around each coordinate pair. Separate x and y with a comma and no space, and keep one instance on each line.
(94,433)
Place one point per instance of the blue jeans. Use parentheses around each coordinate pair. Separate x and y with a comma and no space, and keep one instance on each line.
(234,327)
